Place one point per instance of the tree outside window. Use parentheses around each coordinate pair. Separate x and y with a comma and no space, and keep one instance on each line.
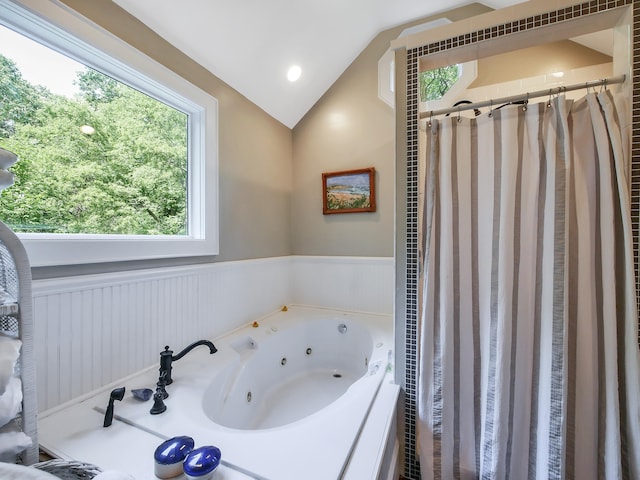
(435,83)
(108,160)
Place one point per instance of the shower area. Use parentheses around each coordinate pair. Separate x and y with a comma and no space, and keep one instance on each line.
(517,253)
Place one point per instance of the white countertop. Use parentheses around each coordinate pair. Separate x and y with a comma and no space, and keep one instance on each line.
(76,433)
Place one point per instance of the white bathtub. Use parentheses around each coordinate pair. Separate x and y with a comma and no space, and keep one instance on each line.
(285,400)
(295,365)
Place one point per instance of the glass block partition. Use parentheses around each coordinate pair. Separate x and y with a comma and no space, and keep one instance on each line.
(410,269)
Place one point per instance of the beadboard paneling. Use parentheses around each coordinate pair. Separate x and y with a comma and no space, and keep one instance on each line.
(93,330)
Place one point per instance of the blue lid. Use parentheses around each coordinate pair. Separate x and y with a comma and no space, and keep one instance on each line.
(202,460)
(173,450)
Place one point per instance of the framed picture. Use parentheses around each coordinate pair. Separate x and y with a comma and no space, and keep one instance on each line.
(349,191)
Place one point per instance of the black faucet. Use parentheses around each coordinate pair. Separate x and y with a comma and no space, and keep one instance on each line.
(167,357)
(159,397)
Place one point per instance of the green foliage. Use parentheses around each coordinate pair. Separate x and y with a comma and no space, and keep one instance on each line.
(97,87)
(435,83)
(129,177)
(19,100)
(336,202)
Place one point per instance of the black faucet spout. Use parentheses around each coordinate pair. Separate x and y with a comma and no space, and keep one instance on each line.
(212,349)
(167,358)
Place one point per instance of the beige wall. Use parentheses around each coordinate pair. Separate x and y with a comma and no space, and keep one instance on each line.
(348,128)
(563,55)
(255,156)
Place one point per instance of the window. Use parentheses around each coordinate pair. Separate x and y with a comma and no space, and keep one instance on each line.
(386,64)
(97,156)
(434,84)
(443,87)
(439,88)
(119,164)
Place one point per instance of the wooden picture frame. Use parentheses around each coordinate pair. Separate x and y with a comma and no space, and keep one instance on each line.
(349,191)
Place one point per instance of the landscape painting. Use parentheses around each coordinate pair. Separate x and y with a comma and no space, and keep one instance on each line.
(349,191)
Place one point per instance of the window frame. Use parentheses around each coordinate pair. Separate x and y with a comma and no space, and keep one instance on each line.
(63,30)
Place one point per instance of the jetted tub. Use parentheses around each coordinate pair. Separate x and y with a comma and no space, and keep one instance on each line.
(284,399)
(287,371)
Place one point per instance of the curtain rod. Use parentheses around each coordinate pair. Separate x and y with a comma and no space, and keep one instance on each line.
(525,96)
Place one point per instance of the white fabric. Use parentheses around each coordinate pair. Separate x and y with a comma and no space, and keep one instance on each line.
(10,471)
(12,443)
(5,297)
(528,334)
(9,352)
(11,401)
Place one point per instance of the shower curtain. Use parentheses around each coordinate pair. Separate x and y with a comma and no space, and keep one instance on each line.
(528,361)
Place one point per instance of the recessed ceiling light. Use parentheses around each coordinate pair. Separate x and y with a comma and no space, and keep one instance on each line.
(558,74)
(294,73)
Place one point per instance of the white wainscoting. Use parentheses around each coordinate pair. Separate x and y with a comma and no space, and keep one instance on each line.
(93,330)
(363,284)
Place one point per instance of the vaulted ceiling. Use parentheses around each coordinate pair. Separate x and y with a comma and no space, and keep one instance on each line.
(251,44)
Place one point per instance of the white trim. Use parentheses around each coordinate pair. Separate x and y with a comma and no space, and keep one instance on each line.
(387,67)
(343,260)
(386,77)
(475,23)
(54,286)
(94,46)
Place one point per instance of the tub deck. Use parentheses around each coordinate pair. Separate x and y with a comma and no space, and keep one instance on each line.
(316,447)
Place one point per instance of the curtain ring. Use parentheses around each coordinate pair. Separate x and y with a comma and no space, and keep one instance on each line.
(430,118)
(526,103)
(491,108)
(459,118)
(549,100)
(603,86)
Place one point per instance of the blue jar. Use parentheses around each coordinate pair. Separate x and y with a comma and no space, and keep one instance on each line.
(202,463)
(170,455)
